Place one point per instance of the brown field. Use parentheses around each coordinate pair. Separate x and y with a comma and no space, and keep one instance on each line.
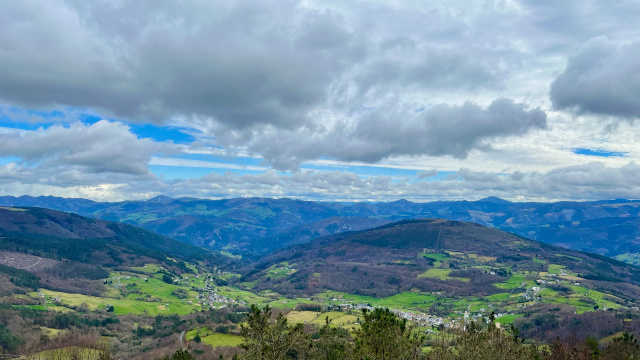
(30,263)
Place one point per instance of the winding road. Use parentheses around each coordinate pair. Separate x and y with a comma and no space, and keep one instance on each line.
(181,342)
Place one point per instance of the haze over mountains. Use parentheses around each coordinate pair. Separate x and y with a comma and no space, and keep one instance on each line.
(257,225)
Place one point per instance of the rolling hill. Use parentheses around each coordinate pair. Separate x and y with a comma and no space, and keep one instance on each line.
(51,224)
(71,253)
(436,255)
(308,232)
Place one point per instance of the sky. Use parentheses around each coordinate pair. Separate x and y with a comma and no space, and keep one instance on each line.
(531,100)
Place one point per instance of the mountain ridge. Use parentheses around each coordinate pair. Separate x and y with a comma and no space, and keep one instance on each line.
(244,224)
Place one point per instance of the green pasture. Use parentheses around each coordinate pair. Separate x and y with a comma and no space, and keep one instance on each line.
(555,269)
(149,269)
(279,271)
(209,337)
(508,319)
(121,306)
(348,298)
(232,292)
(497,297)
(434,256)
(512,283)
(302,316)
(408,299)
(218,339)
(287,303)
(442,274)
(631,258)
(539,261)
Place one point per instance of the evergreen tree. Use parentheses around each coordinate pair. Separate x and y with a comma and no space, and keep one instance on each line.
(181,354)
(331,344)
(266,339)
(383,336)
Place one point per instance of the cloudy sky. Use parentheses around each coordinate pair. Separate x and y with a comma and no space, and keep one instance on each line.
(323,100)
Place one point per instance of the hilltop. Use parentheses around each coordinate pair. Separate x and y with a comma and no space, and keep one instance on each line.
(308,232)
(437,255)
(68,252)
(47,225)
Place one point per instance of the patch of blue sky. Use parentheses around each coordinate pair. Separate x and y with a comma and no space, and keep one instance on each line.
(6,122)
(90,118)
(171,172)
(240,160)
(598,152)
(4,160)
(28,119)
(150,131)
(162,133)
(16,118)
(253,164)
(363,170)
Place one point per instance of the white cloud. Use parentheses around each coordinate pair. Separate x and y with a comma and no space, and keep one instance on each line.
(583,182)
(103,147)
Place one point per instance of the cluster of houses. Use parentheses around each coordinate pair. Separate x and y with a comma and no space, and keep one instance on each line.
(209,295)
(531,294)
(420,318)
(121,277)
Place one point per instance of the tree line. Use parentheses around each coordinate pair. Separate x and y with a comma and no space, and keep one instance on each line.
(384,336)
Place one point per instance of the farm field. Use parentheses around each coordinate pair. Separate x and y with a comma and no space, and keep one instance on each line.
(121,306)
(69,353)
(213,338)
(442,274)
(408,300)
(346,320)
(144,291)
(131,293)
(217,339)
(630,258)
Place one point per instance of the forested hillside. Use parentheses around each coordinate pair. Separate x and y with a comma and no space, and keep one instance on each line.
(254,226)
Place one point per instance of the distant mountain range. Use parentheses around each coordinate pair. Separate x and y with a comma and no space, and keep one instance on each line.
(258,225)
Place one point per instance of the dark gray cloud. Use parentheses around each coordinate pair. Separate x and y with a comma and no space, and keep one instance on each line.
(442,130)
(602,78)
(561,27)
(237,63)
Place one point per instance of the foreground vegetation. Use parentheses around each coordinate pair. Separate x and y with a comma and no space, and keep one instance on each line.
(384,336)
(239,332)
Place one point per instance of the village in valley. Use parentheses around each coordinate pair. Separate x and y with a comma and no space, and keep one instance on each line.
(154,290)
